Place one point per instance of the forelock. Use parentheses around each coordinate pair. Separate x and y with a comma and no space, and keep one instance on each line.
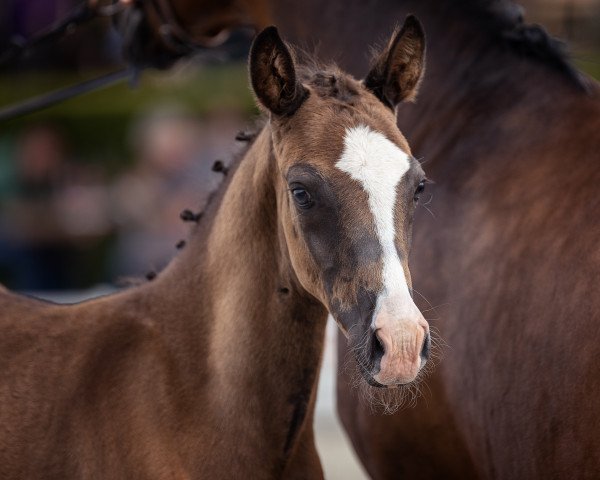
(331,83)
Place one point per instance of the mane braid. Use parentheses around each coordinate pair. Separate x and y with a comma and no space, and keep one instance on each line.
(329,82)
(219,167)
(249,136)
(326,79)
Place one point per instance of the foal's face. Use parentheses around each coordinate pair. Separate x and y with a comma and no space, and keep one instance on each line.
(347,193)
(347,198)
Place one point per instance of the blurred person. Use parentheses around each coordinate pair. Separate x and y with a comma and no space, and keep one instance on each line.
(173,153)
(52,206)
(29,247)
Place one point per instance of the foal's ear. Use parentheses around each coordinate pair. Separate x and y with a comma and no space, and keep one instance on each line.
(273,74)
(397,72)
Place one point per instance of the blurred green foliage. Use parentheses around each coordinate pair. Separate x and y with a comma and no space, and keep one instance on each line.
(589,65)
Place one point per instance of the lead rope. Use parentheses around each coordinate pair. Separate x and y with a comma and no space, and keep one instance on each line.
(81,14)
(48,99)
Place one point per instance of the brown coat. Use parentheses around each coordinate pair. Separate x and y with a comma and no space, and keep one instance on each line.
(211,370)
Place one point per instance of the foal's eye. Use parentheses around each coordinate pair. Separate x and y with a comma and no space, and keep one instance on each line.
(419,190)
(301,197)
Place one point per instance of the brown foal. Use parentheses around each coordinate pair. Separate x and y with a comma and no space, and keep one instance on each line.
(210,370)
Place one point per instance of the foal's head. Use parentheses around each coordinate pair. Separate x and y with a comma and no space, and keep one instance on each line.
(347,191)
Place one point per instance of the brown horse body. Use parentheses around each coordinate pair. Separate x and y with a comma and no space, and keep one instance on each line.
(210,370)
(168,380)
(511,260)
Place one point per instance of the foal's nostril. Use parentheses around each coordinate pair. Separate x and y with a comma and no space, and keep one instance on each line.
(426,348)
(377,350)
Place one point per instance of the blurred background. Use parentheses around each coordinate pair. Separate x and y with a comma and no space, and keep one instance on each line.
(91,189)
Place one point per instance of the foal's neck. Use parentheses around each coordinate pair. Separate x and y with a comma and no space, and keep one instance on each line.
(252,340)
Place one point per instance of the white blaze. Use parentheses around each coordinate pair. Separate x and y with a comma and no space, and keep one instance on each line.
(379,165)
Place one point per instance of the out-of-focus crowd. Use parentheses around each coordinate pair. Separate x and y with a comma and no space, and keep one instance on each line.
(66,223)
(73,217)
